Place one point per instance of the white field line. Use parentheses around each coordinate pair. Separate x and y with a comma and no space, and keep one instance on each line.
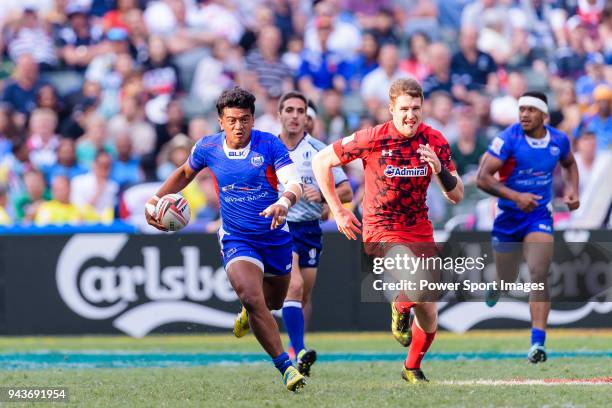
(556,381)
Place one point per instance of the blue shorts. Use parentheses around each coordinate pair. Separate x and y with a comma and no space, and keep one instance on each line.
(274,259)
(307,243)
(514,225)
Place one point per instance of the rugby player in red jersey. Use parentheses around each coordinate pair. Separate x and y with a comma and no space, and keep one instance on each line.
(400,159)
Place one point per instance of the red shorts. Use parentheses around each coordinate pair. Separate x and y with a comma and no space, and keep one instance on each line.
(419,238)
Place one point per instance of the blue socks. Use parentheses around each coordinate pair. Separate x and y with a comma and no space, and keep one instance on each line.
(282,362)
(293,316)
(538,336)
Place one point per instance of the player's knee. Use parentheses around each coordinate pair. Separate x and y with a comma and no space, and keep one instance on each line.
(251,300)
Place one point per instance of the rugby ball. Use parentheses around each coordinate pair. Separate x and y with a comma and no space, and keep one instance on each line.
(172,211)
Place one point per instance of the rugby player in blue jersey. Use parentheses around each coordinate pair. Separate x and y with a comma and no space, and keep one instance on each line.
(247,165)
(303,220)
(525,156)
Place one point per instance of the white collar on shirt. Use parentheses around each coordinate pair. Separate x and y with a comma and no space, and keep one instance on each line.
(538,143)
(236,154)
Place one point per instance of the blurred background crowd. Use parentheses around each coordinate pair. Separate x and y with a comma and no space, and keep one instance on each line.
(100,100)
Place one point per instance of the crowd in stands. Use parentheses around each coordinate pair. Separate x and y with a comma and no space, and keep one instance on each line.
(100,100)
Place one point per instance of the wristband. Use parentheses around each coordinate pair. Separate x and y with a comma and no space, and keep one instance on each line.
(284,201)
(447,179)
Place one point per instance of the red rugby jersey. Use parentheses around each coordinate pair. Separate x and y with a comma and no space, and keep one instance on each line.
(396,180)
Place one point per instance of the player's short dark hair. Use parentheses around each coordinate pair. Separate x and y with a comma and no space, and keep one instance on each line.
(540,95)
(405,86)
(236,98)
(289,95)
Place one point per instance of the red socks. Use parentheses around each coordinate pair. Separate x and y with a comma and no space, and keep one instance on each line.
(419,346)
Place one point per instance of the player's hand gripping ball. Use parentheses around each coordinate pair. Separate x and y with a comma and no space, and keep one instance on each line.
(172,211)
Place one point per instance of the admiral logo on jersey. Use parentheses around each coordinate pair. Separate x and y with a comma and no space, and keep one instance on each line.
(393,171)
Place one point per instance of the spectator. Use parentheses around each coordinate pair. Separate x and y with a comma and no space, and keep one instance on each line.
(566,115)
(595,75)
(174,155)
(472,70)
(467,150)
(334,120)
(504,108)
(366,61)
(94,193)
(59,210)
(79,43)
(543,20)
(43,140)
(375,86)
(599,123)
(473,12)
(126,169)
(117,18)
(417,15)
(292,57)
(198,128)
(384,28)
(31,38)
(605,33)
(116,43)
(160,75)
(47,98)
(94,140)
(440,77)
(273,75)
(175,125)
(339,37)
(322,68)
(66,164)
(34,195)
(5,218)
(494,37)
(523,56)
(215,73)
(268,121)
(14,166)
(441,117)
(417,65)
(586,154)
(8,130)
(570,60)
(131,120)
(20,92)
(208,211)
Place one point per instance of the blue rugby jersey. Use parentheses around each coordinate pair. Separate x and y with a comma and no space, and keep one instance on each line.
(245,179)
(529,163)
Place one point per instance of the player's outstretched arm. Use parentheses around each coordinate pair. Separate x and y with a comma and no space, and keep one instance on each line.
(322,165)
(487,182)
(571,180)
(178,180)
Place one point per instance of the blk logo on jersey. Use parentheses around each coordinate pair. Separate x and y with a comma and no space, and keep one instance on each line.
(394,171)
(236,153)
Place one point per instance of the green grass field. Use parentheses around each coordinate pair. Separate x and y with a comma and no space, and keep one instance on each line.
(338,383)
